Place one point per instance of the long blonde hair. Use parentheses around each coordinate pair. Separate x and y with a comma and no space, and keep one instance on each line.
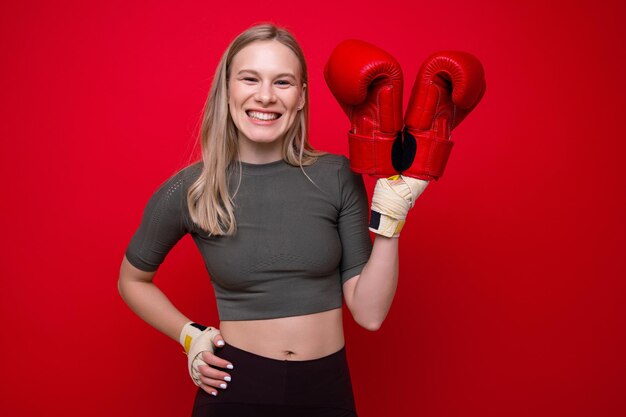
(210,204)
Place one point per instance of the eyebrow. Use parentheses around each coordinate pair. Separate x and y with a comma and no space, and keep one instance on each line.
(283,74)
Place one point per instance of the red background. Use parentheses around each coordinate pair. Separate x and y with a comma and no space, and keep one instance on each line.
(512,265)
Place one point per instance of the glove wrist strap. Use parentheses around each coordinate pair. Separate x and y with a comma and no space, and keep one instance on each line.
(431,155)
(371,154)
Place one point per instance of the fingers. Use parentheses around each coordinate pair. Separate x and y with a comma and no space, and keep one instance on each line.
(211,385)
(218,340)
(208,390)
(211,359)
(212,379)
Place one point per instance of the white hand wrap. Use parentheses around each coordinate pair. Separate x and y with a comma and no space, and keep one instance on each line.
(195,341)
(393,198)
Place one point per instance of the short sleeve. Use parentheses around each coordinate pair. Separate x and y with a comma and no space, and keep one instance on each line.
(352,223)
(162,225)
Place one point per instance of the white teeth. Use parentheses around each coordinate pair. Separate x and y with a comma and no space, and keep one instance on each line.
(262,116)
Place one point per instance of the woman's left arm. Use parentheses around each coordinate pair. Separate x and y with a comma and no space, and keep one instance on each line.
(369,295)
(370,273)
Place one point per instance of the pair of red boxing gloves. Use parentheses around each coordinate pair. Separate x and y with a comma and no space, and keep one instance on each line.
(411,151)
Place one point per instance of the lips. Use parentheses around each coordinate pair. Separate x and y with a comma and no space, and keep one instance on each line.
(263,115)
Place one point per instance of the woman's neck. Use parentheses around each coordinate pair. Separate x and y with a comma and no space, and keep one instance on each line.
(253,152)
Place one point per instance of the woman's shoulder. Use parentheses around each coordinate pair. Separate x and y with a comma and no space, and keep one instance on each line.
(179,182)
(335,171)
(191,171)
(186,175)
(330,161)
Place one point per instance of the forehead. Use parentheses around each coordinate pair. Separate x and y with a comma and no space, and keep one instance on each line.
(266,57)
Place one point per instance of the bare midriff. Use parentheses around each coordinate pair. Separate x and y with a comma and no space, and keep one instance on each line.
(295,338)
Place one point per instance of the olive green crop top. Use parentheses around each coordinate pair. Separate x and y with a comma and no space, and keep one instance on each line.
(296,243)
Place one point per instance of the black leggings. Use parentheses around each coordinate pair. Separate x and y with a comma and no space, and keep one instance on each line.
(263,386)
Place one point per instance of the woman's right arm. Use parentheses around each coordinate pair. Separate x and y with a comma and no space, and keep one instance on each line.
(148,301)
(152,306)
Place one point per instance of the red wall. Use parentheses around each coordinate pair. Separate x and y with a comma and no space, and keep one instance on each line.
(512,265)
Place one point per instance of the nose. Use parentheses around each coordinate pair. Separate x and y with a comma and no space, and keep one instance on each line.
(265,93)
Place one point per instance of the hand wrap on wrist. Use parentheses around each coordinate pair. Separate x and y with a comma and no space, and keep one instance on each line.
(393,198)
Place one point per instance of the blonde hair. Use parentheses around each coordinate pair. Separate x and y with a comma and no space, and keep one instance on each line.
(210,204)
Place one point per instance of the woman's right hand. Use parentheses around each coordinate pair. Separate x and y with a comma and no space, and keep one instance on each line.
(199,343)
(212,379)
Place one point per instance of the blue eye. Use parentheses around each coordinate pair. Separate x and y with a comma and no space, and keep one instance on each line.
(283,82)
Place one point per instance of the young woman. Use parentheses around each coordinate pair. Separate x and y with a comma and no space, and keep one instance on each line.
(283,232)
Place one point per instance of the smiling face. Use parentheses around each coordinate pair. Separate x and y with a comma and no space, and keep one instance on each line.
(265,93)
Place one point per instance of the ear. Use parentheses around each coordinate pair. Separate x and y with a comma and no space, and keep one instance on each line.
(302,97)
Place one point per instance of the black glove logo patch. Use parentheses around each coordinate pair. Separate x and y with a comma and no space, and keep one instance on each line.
(403,151)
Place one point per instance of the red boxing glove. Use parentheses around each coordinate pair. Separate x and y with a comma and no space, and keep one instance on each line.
(448,86)
(367,83)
